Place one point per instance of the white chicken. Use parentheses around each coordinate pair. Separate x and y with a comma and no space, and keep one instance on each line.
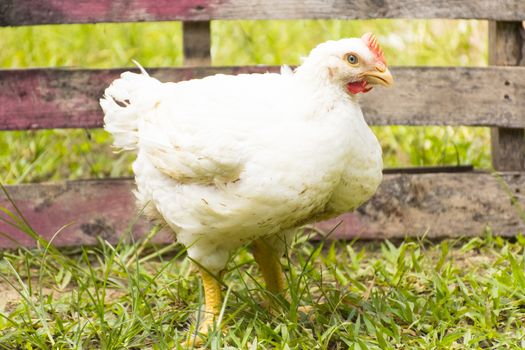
(229,160)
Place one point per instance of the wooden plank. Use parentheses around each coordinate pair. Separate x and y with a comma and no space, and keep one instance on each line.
(494,96)
(449,96)
(438,206)
(433,205)
(94,209)
(29,12)
(62,98)
(197,43)
(506,43)
(507,48)
(508,149)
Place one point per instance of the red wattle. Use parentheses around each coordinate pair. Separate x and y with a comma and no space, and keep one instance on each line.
(357,87)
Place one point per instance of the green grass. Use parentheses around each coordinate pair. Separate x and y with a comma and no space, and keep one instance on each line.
(30,156)
(463,294)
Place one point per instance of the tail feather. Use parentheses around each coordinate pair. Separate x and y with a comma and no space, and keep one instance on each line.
(124,102)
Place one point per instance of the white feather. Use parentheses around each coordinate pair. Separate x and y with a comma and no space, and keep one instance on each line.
(227,159)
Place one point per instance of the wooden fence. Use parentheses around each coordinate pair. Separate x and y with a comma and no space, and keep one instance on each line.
(436,202)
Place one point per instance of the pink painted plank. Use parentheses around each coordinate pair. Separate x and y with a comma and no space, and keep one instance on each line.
(90,209)
(28,12)
(434,205)
(67,98)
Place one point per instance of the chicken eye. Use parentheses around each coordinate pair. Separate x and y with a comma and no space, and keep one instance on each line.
(352,59)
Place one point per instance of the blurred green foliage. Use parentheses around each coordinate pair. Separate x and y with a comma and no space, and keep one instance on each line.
(27,156)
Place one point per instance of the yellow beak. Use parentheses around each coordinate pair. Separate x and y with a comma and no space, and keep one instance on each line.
(379,76)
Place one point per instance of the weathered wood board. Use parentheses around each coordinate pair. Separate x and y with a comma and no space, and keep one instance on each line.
(507,48)
(28,12)
(93,208)
(434,205)
(64,98)
(508,149)
(196,37)
(438,206)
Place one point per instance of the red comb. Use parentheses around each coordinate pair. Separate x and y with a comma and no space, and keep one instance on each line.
(371,41)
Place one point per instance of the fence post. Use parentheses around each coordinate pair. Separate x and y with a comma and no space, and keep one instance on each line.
(507,48)
(196,38)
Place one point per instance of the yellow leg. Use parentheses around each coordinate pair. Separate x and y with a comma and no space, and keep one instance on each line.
(212,300)
(272,271)
(212,307)
(270,266)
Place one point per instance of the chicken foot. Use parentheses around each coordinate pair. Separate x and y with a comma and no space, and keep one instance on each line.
(269,265)
(212,306)
(272,271)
